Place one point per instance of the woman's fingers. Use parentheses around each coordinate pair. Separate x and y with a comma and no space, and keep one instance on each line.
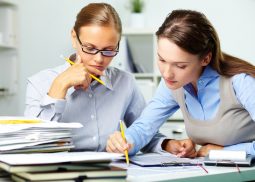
(116,143)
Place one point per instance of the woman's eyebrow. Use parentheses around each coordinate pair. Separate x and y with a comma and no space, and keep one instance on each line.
(92,45)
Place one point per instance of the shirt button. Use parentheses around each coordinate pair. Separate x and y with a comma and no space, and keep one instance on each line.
(93,82)
(201,82)
(92,116)
(90,95)
(94,138)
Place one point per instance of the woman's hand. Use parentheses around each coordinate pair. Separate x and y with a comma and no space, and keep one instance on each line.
(116,144)
(204,150)
(76,76)
(181,148)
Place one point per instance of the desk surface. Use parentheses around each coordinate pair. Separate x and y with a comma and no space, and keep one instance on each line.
(190,174)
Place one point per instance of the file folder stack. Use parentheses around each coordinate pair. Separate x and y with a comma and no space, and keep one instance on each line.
(4,176)
(24,135)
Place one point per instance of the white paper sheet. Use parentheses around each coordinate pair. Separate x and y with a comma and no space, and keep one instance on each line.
(60,157)
(8,128)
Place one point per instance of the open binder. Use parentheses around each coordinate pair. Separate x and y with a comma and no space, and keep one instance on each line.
(229,158)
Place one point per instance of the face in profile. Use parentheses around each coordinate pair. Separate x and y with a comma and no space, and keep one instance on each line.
(96,45)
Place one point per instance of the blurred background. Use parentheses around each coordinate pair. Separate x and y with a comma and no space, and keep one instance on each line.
(34,33)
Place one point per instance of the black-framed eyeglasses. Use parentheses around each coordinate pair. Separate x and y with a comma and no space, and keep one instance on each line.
(94,51)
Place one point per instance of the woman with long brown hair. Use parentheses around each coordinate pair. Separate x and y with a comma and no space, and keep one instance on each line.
(214,91)
(69,93)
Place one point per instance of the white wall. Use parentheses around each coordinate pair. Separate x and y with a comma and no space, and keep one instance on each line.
(45,29)
(233,20)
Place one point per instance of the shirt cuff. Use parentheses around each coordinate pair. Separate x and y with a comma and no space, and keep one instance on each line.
(58,104)
(131,141)
(158,147)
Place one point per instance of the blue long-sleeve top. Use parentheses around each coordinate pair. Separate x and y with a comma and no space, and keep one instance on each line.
(202,105)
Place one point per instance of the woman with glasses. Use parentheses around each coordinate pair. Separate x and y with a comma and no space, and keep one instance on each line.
(69,93)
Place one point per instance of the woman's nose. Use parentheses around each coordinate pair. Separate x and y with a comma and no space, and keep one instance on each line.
(168,72)
(98,57)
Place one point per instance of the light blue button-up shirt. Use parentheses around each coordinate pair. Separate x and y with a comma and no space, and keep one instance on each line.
(163,105)
(98,109)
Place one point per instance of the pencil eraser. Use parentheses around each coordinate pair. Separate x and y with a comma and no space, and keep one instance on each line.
(227,155)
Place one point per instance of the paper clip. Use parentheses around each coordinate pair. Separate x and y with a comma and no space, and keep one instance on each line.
(176,163)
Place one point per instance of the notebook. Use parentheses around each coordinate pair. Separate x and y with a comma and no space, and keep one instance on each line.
(163,160)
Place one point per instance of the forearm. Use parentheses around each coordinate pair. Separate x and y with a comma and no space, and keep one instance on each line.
(248,147)
(161,107)
(155,145)
(58,88)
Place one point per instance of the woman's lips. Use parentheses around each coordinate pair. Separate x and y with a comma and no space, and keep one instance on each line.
(170,82)
(101,68)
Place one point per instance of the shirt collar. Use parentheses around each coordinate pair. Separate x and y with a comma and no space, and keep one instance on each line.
(106,78)
(208,74)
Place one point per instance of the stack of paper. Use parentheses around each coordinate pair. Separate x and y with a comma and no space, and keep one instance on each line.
(22,135)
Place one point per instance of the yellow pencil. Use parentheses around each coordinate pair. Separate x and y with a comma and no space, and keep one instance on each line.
(123,136)
(92,76)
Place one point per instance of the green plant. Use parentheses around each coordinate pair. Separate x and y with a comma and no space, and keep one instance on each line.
(137,6)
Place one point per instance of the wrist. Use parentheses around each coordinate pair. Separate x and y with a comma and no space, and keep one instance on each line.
(58,89)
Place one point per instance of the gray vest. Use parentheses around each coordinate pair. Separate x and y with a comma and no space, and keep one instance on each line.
(232,124)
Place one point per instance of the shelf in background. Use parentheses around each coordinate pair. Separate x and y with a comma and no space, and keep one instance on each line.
(174,129)
(5,46)
(8,49)
(145,75)
(140,44)
(8,2)
(148,76)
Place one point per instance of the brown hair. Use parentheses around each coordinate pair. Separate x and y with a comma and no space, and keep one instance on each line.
(193,32)
(101,14)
